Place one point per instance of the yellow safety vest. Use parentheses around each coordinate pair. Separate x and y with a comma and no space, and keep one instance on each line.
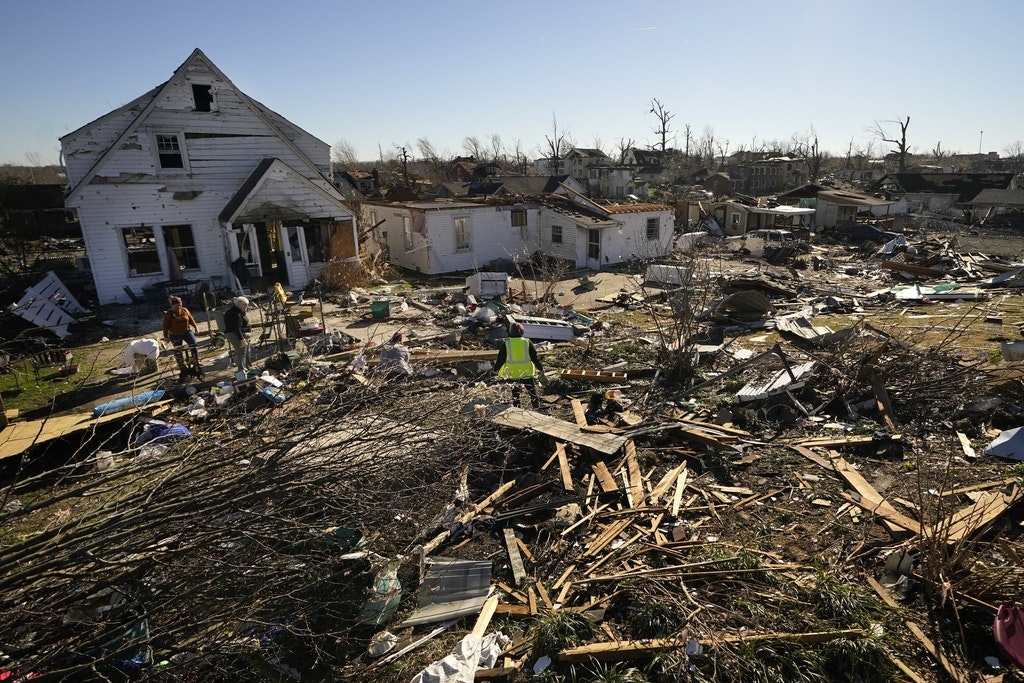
(517,359)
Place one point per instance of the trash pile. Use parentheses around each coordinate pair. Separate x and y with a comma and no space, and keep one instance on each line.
(832,488)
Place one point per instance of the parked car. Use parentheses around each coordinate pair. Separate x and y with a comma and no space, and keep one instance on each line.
(864,232)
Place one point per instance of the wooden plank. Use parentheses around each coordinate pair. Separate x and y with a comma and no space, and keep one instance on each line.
(484,619)
(518,571)
(565,575)
(543,593)
(604,477)
(525,550)
(578,412)
(607,537)
(667,481)
(873,501)
(883,402)
(518,418)
(563,466)
(466,516)
(812,456)
(954,672)
(966,521)
(512,610)
(965,444)
(636,489)
(532,599)
(512,592)
(677,497)
(629,649)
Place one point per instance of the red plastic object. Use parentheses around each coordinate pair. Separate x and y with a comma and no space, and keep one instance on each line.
(1008,630)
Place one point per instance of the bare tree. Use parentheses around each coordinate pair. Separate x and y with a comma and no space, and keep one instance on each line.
(706,146)
(806,145)
(664,117)
(622,148)
(880,132)
(518,156)
(497,151)
(432,159)
(473,147)
(938,152)
(557,144)
(688,134)
(1015,155)
(343,154)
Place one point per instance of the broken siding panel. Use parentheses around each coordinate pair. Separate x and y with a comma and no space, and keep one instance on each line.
(85,146)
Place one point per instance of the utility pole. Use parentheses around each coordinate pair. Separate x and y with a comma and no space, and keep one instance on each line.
(981,135)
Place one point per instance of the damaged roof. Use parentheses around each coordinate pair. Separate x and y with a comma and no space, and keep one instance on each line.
(965,185)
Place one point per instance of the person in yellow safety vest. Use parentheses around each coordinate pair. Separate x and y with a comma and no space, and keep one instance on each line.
(518,362)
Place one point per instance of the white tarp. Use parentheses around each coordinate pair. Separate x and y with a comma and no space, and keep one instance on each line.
(472,653)
(1009,445)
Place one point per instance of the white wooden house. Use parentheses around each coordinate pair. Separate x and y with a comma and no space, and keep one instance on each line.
(178,184)
(447,236)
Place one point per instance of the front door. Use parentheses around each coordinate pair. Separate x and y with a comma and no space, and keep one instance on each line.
(296,256)
(594,249)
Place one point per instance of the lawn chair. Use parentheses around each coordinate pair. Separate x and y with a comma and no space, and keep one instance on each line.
(50,358)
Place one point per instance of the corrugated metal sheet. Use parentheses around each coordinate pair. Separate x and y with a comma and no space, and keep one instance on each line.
(450,589)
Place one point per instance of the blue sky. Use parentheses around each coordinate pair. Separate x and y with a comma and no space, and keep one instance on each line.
(383,74)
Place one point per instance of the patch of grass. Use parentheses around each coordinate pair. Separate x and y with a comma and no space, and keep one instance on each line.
(560,629)
(654,620)
(837,599)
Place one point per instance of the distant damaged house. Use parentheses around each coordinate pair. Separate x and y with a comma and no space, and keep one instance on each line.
(194,175)
(941,193)
(836,208)
(447,236)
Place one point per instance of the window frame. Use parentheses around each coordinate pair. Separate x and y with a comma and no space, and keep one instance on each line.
(556,234)
(179,250)
(179,144)
(654,222)
(150,247)
(407,232)
(460,233)
(518,218)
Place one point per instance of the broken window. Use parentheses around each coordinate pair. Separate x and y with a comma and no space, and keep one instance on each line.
(202,95)
(518,218)
(181,248)
(407,232)
(318,237)
(594,245)
(168,149)
(140,247)
(653,229)
(556,234)
(461,234)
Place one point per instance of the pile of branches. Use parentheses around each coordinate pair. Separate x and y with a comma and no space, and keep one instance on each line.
(233,545)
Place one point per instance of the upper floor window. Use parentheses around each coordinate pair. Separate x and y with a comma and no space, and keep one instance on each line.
(461,233)
(518,218)
(169,150)
(556,234)
(202,95)
(653,229)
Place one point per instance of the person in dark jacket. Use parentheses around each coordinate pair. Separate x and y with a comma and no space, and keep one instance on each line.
(237,331)
(519,363)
